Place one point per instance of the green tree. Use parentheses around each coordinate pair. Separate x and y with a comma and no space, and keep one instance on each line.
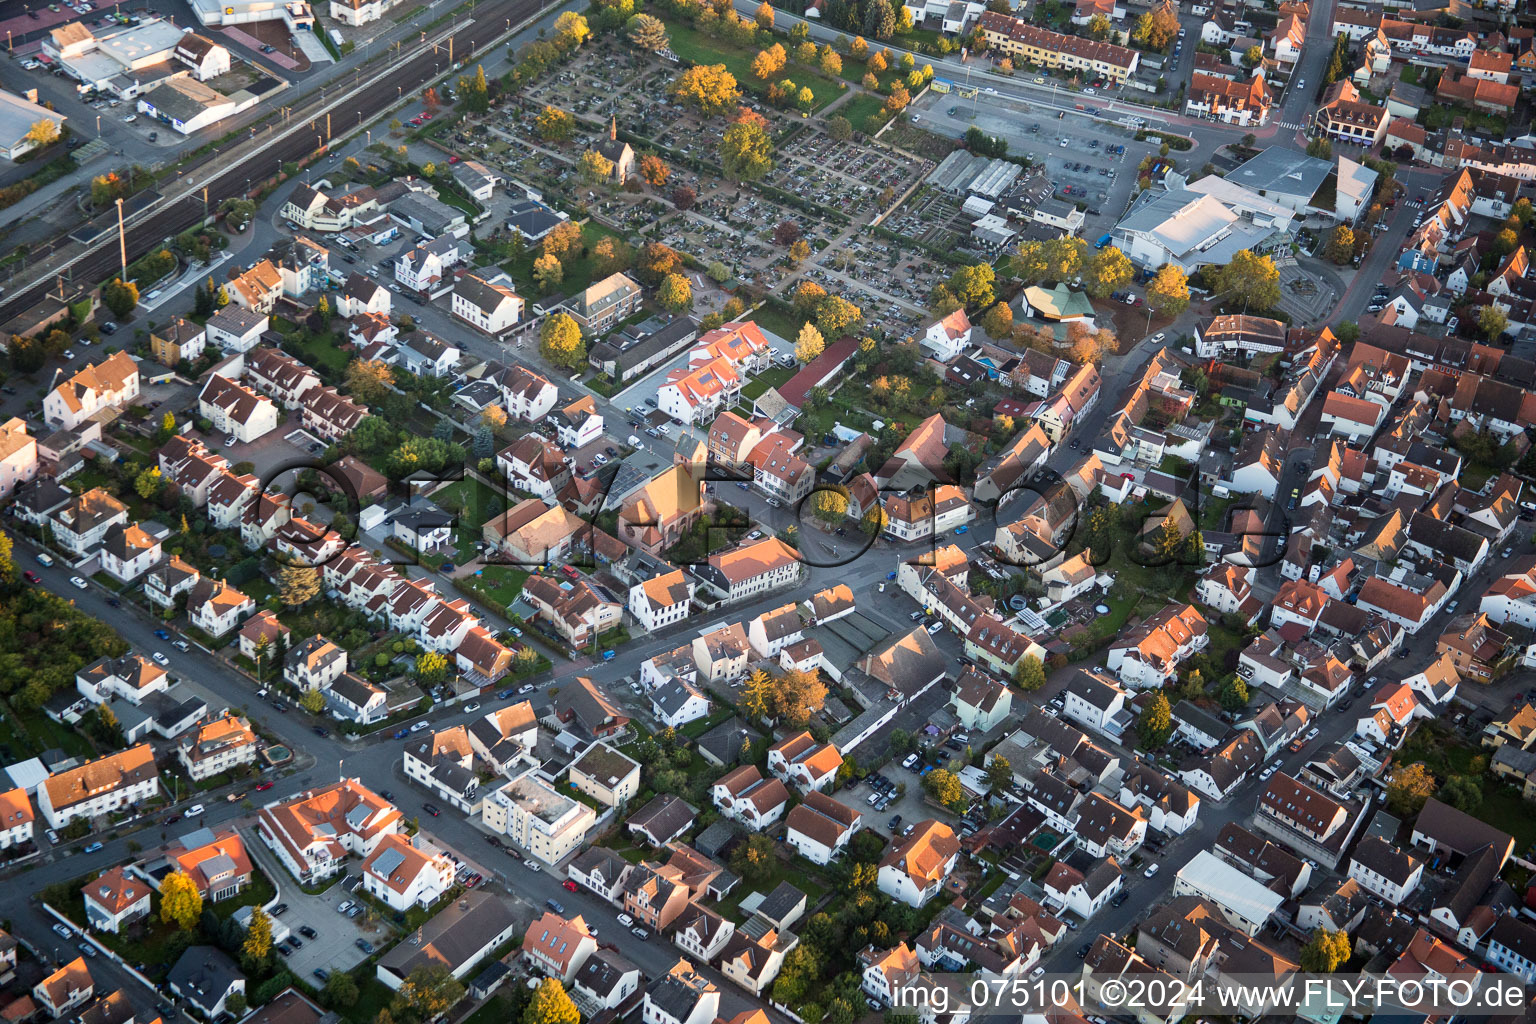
(1462,792)
(594,168)
(369,380)
(1234,694)
(1029,674)
(548,273)
(7,558)
(298,584)
(944,786)
(1108,271)
(556,125)
(1155,723)
(830,506)
(120,296)
(1320,148)
(647,33)
(561,342)
(149,483)
(1410,787)
(551,1005)
(340,991)
(1492,322)
(973,285)
(809,343)
(1325,952)
(313,701)
(1168,291)
(1248,280)
(475,91)
(431,667)
(180,902)
(428,991)
(999,774)
(44,132)
(257,948)
(674,294)
(1253,56)
(1341,245)
(746,152)
(836,316)
(570,30)
(708,88)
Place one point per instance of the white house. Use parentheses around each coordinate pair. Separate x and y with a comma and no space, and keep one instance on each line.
(819,827)
(662,600)
(1093,700)
(112,783)
(487,303)
(402,876)
(755,801)
(236,410)
(675,703)
(1385,870)
(915,868)
(947,338)
(980,702)
(110,384)
(803,762)
(115,900)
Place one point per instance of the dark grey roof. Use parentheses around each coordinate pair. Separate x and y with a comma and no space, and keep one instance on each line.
(784,900)
(453,936)
(715,838)
(603,971)
(672,696)
(665,818)
(674,996)
(725,741)
(204,975)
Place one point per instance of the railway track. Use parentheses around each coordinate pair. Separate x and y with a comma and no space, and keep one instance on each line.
(294,142)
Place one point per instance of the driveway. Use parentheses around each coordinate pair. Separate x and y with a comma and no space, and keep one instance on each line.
(334,947)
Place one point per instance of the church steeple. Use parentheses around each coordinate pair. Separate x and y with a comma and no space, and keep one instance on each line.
(613,129)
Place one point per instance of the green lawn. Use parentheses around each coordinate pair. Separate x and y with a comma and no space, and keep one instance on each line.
(319,351)
(695,47)
(578,272)
(773,377)
(858,110)
(473,501)
(780,318)
(502,584)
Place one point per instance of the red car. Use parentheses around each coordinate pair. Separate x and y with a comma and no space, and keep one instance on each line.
(32,577)
(569,885)
(263,787)
(426,116)
(453,159)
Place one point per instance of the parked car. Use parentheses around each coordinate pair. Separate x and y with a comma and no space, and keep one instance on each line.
(193,811)
(308,932)
(568,885)
(92,848)
(431,809)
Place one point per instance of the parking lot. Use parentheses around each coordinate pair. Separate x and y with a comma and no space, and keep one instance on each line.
(1055,140)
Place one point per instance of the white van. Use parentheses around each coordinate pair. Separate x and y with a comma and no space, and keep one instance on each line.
(43,558)
(634,441)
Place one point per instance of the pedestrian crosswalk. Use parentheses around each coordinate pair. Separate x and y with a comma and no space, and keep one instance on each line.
(1292,127)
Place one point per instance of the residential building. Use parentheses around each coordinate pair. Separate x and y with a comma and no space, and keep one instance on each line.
(606,775)
(236,410)
(557,947)
(115,900)
(1029,44)
(105,387)
(219,746)
(402,873)
(107,784)
(313,833)
(819,827)
(605,303)
(536,819)
(65,989)
(916,867)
